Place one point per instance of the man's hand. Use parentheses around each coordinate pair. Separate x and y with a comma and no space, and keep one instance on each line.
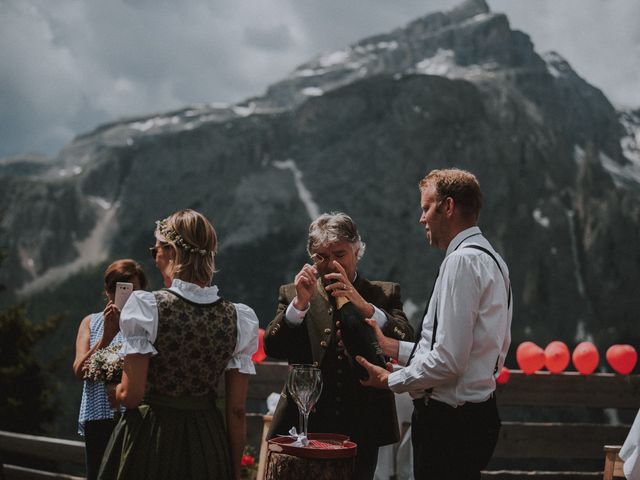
(305,283)
(389,346)
(341,287)
(378,377)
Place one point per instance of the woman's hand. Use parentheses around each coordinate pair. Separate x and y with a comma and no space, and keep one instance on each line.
(341,286)
(111,395)
(111,322)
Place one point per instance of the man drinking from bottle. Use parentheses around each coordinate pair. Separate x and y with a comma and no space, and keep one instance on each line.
(304,331)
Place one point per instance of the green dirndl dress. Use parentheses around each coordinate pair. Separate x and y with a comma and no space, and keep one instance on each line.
(169,438)
(178,432)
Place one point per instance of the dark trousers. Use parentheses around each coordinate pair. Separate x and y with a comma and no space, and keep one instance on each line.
(96,437)
(366,461)
(453,443)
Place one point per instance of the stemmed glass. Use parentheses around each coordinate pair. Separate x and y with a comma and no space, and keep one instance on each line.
(305,386)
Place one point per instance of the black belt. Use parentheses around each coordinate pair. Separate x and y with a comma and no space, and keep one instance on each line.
(420,403)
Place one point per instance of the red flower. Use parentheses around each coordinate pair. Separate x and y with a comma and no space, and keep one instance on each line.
(247,461)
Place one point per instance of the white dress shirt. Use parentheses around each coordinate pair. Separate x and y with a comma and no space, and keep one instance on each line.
(474,328)
(139,323)
(630,451)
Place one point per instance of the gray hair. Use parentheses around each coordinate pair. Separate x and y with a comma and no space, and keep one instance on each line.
(334,227)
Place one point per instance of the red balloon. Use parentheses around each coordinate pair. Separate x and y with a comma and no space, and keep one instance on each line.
(556,357)
(259,356)
(585,358)
(622,358)
(530,357)
(504,376)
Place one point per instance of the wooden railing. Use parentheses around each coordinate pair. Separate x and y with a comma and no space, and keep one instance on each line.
(526,403)
(544,394)
(55,453)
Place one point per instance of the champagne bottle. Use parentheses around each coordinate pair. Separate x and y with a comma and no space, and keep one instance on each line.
(358,337)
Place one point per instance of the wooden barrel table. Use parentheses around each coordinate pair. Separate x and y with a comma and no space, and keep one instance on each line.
(327,457)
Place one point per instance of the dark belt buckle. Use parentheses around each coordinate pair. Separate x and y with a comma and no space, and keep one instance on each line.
(427,395)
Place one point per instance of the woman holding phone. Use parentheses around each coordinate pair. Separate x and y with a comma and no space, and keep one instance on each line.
(99,330)
(178,342)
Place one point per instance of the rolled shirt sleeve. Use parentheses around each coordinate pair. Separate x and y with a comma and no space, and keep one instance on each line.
(404,352)
(379,316)
(139,324)
(293,316)
(457,304)
(247,342)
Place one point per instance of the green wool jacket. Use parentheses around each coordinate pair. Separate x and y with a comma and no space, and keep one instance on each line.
(366,415)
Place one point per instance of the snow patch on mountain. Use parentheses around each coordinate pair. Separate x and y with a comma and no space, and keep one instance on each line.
(630,142)
(620,173)
(540,218)
(156,122)
(303,192)
(312,92)
(557,66)
(443,64)
(92,250)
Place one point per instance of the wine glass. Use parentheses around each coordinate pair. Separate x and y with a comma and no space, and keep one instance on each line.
(305,386)
(290,390)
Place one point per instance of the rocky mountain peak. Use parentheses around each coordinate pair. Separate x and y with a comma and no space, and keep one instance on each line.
(355,130)
(467,37)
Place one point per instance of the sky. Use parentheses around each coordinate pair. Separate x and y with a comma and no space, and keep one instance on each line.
(67,66)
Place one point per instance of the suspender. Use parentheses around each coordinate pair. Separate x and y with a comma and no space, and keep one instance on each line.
(478,247)
(435,314)
(426,309)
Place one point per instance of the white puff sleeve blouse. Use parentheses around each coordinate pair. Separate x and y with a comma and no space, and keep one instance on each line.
(139,324)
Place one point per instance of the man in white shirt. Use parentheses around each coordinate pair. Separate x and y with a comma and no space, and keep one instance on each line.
(465,335)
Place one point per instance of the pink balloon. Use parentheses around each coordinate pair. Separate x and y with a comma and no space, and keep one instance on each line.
(622,358)
(585,358)
(556,357)
(530,357)
(504,376)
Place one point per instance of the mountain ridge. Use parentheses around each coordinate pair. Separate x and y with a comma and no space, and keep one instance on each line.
(455,88)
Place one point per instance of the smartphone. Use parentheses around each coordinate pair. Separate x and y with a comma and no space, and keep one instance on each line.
(123,292)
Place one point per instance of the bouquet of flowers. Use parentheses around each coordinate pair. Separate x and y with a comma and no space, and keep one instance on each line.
(105,365)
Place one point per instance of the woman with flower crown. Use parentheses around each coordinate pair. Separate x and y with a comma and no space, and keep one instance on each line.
(96,331)
(177,343)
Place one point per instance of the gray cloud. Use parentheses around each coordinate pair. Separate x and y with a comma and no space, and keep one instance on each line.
(599,38)
(268,37)
(67,66)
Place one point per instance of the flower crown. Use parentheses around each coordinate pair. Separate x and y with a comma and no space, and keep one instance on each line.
(173,236)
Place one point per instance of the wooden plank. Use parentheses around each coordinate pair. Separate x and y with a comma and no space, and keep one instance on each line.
(539,475)
(601,390)
(613,464)
(255,425)
(567,389)
(557,440)
(42,447)
(13,472)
